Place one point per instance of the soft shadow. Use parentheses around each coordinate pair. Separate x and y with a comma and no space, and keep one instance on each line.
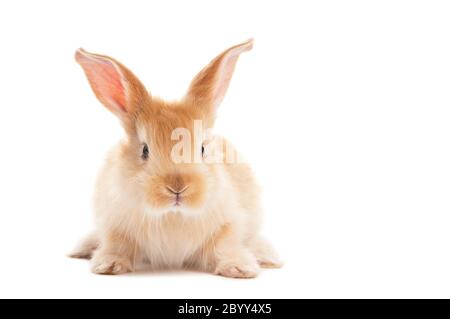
(164,272)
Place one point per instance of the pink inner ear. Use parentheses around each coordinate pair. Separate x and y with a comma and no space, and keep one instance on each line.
(112,83)
(105,79)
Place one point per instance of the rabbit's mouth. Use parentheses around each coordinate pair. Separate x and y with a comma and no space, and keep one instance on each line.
(177,201)
(184,203)
(177,195)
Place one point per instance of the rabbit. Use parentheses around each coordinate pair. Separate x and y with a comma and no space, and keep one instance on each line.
(154,211)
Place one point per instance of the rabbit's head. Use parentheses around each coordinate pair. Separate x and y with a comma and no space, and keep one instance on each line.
(160,155)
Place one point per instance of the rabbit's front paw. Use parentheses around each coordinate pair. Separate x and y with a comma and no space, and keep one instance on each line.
(110,265)
(238,270)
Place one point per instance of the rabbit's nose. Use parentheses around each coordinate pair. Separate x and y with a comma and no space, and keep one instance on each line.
(177,191)
(175,183)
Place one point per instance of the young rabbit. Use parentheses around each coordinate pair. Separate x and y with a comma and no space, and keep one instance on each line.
(169,214)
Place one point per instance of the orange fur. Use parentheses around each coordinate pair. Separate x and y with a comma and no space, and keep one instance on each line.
(215,225)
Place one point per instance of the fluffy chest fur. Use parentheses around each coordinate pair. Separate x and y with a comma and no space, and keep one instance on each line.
(173,240)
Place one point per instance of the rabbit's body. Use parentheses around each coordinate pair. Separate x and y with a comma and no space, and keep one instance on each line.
(170,215)
(173,239)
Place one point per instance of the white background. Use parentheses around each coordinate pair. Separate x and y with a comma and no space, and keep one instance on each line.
(343,107)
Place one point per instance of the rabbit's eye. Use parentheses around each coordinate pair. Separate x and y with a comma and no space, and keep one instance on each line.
(203,150)
(144,152)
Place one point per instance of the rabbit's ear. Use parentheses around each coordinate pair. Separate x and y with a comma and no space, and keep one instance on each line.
(113,84)
(210,85)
